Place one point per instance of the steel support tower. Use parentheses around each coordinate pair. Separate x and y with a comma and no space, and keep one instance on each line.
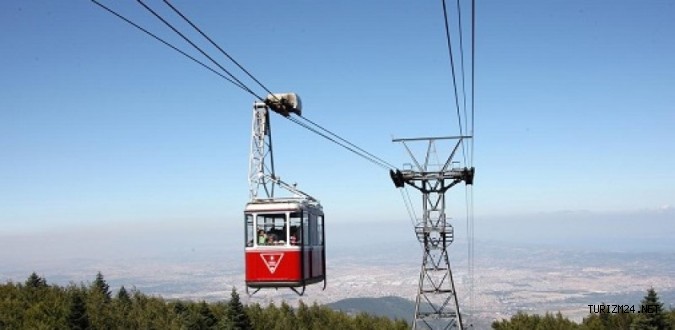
(436,305)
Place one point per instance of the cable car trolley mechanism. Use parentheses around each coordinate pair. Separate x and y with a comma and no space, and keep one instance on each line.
(285,236)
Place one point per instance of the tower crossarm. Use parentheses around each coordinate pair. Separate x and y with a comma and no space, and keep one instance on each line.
(413,178)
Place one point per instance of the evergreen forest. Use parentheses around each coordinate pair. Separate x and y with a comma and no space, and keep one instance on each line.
(35,304)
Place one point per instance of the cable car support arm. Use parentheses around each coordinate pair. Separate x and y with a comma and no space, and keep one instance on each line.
(262,177)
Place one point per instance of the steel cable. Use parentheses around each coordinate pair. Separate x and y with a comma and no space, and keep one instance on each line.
(454,79)
(473,74)
(461,56)
(198,49)
(358,153)
(351,144)
(217,46)
(166,43)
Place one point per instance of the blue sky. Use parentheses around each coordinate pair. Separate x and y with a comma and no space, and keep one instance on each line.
(100,124)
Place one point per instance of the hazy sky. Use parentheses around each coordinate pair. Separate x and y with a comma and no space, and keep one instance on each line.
(575,107)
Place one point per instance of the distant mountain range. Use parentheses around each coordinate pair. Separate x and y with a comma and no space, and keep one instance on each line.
(391,307)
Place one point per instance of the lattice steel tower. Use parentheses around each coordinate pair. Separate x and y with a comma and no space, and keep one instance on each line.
(436,305)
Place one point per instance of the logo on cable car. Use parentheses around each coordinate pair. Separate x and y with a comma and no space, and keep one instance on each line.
(272,260)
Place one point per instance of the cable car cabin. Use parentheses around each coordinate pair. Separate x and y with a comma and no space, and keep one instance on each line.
(285,244)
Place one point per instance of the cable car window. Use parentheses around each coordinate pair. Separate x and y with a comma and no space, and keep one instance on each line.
(295,223)
(319,228)
(249,230)
(305,228)
(312,232)
(271,229)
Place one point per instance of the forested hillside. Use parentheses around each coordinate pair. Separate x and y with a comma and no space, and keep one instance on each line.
(391,307)
(35,304)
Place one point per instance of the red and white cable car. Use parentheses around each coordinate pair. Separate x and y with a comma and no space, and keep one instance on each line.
(285,244)
(285,236)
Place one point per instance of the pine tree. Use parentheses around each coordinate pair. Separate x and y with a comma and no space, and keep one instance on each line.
(206,315)
(179,308)
(123,296)
(287,318)
(605,315)
(236,314)
(255,315)
(35,281)
(101,286)
(304,316)
(77,316)
(653,317)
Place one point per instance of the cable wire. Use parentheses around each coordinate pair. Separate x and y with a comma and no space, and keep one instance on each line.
(408,208)
(407,193)
(246,88)
(473,73)
(411,211)
(358,153)
(216,45)
(469,189)
(468,197)
(470,229)
(166,43)
(461,56)
(349,143)
(454,79)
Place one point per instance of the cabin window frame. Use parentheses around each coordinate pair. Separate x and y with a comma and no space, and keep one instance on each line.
(320,229)
(295,221)
(306,229)
(249,234)
(274,226)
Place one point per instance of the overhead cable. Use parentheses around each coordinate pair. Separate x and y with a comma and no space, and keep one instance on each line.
(473,73)
(363,155)
(468,193)
(461,56)
(216,45)
(166,43)
(411,210)
(454,79)
(199,49)
(349,143)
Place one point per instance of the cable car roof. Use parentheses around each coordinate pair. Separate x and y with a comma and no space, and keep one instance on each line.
(282,204)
